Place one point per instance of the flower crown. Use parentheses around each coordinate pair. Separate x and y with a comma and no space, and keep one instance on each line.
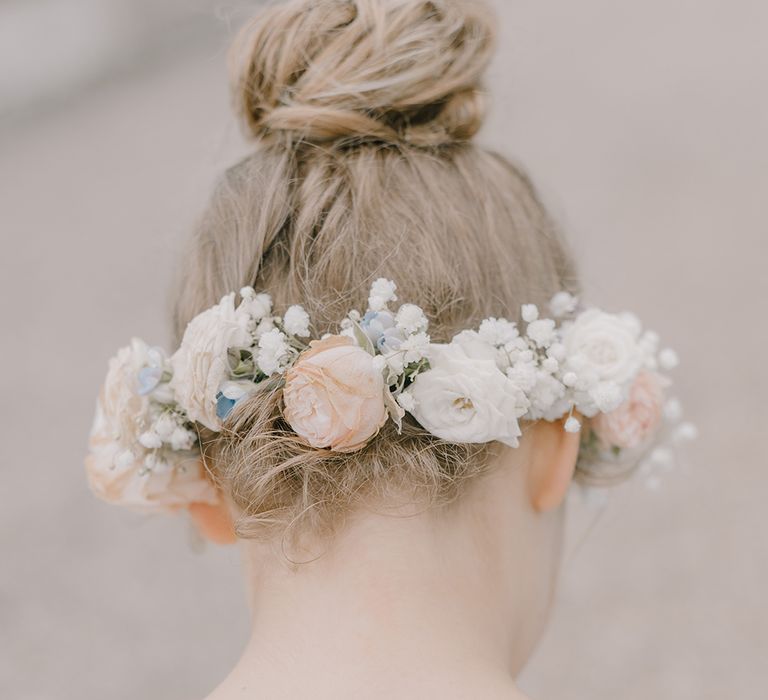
(340,390)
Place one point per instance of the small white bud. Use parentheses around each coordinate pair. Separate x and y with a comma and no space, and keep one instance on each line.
(668,359)
(530,312)
(570,379)
(260,306)
(265,325)
(377,303)
(411,319)
(563,304)
(686,432)
(151,440)
(182,439)
(296,321)
(557,351)
(572,425)
(542,332)
(550,365)
(125,459)
(662,457)
(382,292)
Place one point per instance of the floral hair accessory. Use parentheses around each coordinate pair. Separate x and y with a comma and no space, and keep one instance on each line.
(339,391)
(144,451)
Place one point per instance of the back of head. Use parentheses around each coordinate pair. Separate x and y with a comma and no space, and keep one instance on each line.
(363,167)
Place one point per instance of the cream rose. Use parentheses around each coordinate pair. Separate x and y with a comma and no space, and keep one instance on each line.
(119,477)
(635,420)
(467,399)
(200,365)
(334,395)
(603,345)
(115,463)
(124,413)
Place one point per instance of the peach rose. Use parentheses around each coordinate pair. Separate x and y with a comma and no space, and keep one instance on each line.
(635,420)
(334,396)
(116,462)
(130,484)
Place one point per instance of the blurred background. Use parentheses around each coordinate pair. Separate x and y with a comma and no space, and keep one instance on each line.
(644,125)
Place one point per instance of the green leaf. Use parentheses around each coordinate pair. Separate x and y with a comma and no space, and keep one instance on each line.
(362,339)
(395,410)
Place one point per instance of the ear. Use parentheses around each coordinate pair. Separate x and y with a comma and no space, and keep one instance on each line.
(214,522)
(552,463)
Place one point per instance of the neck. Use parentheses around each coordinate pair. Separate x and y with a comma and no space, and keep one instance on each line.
(397,605)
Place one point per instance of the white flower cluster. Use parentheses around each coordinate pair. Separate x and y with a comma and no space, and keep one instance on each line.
(587,365)
(398,340)
(143,449)
(160,428)
(474,389)
(227,350)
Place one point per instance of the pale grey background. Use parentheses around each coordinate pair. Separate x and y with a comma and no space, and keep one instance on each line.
(644,125)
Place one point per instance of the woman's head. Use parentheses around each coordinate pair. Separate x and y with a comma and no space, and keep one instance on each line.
(363,167)
(444,456)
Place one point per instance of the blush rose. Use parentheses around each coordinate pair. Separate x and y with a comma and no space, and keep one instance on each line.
(635,420)
(334,395)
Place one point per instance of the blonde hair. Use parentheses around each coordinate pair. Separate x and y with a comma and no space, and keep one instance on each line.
(363,166)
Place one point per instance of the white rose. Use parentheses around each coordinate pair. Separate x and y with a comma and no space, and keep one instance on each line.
(604,346)
(200,365)
(465,399)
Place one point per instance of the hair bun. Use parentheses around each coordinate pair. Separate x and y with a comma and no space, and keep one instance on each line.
(381,70)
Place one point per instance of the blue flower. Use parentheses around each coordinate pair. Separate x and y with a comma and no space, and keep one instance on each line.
(376,323)
(149,378)
(389,341)
(224,406)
